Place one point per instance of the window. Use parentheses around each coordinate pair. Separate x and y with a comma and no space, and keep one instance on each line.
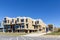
(35,27)
(17,19)
(17,26)
(22,25)
(22,20)
(0,24)
(37,22)
(5,20)
(26,20)
(32,21)
(27,25)
(12,20)
(8,21)
(9,27)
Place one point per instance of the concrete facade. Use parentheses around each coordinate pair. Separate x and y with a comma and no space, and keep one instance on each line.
(23,24)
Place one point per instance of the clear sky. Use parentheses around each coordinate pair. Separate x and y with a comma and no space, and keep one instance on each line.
(47,10)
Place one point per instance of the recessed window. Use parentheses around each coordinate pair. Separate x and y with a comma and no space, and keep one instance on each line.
(35,27)
(17,19)
(0,24)
(22,25)
(9,27)
(12,20)
(17,26)
(37,22)
(4,18)
(22,20)
(26,20)
(27,25)
(8,21)
(32,21)
(5,21)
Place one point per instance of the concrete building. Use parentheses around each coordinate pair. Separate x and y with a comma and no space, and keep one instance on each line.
(23,24)
(51,27)
(1,27)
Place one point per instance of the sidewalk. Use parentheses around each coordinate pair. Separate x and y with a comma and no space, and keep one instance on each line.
(42,35)
(35,34)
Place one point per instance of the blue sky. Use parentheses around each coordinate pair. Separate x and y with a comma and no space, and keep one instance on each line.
(47,10)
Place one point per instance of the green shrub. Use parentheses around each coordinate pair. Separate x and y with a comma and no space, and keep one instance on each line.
(58,29)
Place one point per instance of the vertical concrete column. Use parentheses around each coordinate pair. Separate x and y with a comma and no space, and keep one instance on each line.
(45,29)
(28,31)
(12,28)
(38,28)
(3,29)
(53,28)
(24,25)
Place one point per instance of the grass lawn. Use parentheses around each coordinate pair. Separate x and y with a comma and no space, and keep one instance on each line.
(54,33)
(12,34)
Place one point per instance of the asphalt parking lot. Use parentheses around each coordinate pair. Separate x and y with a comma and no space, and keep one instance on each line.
(28,38)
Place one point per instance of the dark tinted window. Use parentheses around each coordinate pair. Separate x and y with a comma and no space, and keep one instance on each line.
(17,19)
(0,24)
(12,20)
(37,22)
(17,26)
(5,20)
(22,25)
(22,20)
(27,25)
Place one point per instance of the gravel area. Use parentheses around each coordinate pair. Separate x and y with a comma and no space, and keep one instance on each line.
(29,38)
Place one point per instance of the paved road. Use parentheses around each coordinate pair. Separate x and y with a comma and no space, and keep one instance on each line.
(28,38)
